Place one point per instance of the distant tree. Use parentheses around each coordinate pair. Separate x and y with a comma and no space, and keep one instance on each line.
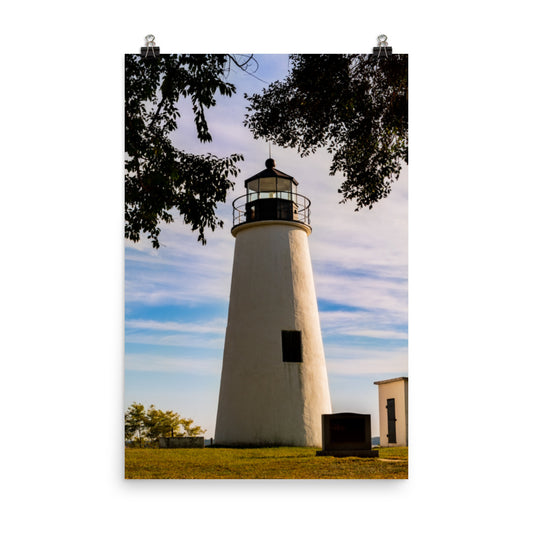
(135,422)
(162,423)
(353,105)
(189,429)
(154,423)
(159,176)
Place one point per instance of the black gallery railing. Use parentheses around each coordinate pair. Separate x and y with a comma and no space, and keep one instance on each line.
(271,206)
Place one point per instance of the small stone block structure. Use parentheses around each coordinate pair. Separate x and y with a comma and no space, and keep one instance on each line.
(346,435)
(181,442)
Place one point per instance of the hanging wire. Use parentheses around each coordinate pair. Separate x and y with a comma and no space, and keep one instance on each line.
(249,65)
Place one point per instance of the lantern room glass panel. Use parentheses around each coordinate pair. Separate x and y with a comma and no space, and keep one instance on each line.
(285,188)
(252,190)
(267,188)
(284,184)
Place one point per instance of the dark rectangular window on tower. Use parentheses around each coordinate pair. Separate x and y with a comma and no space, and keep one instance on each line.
(291,346)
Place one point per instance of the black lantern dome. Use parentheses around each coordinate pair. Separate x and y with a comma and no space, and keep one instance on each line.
(271,195)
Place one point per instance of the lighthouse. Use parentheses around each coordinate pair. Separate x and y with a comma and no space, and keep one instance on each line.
(274,385)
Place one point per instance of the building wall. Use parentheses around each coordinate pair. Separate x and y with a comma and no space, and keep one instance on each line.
(262,399)
(398,390)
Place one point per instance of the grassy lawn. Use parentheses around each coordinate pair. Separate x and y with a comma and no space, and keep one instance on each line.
(261,463)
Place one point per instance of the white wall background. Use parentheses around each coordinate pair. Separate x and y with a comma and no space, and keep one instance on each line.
(61,269)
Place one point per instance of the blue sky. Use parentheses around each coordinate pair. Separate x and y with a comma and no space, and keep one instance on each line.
(176,297)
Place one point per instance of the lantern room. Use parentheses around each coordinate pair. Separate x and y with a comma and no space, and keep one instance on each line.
(270,183)
(271,195)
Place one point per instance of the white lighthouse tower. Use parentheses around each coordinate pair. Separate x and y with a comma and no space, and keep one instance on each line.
(274,385)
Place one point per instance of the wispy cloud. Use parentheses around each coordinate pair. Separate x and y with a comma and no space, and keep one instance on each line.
(342,361)
(347,289)
(216,327)
(181,365)
(363,323)
(182,272)
(208,335)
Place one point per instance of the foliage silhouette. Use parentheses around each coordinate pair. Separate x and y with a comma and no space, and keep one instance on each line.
(160,177)
(353,105)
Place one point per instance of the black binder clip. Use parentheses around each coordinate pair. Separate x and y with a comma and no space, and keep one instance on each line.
(382,50)
(150,50)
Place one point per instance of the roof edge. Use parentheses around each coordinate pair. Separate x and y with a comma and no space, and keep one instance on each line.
(270,173)
(390,380)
